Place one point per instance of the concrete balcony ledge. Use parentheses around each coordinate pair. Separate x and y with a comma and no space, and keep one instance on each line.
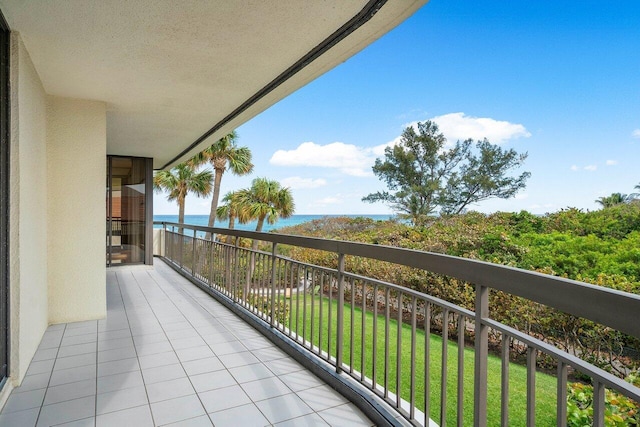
(168,354)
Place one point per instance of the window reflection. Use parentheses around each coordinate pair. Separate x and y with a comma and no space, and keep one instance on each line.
(126,210)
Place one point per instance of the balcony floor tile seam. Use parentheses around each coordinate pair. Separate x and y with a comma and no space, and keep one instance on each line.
(128,320)
(252,353)
(227,369)
(193,305)
(173,351)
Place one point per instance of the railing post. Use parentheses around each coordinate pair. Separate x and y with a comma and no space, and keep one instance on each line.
(236,282)
(211,261)
(274,253)
(180,241)
(598,403)
(481,355)
(163,241)
(340,314)
(193,257)
(248,276)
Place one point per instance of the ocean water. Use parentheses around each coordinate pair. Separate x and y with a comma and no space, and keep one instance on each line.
(250,226)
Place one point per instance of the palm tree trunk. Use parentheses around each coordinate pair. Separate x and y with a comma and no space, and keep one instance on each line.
(254,247)
(181,210)
(259,226)
(232,223)
(181,230)
(227,251)
(214,202)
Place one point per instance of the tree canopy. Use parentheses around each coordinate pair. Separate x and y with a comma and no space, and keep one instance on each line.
(180,181)
(424,175)
(618,198)
(614,199)
(223,154)
(266,200)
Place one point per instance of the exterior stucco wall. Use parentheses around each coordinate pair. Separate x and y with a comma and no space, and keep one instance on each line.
(28,221)
(158,242)
(76,172)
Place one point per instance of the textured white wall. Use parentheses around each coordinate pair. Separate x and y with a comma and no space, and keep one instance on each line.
(76,172)
(158,241)
(28,220)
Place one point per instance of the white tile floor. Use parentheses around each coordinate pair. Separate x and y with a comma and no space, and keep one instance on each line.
(168,354)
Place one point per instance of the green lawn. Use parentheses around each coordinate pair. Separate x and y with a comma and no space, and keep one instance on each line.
(311,306)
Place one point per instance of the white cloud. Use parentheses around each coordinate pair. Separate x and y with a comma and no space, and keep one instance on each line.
(521,196)
(297,183)
(611,162)
(590,168)
(458,126)
(636,133)
(348,158)
(357,161)
(574,167)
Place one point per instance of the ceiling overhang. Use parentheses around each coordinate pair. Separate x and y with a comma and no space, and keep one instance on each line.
(176,76)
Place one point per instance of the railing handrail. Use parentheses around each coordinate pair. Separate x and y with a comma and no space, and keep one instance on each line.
(235,271)
(616,309)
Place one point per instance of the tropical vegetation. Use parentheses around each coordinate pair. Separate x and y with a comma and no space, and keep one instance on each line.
(424,175)
(614,199)
(222,155)
(180,181)
(599,247)
(231,209)
(618,198)
(265,200)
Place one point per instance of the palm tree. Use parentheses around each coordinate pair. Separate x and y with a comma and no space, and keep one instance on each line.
(613,199)
(231,210)
(268,200)
(635,196)
(265,200)
(221,153)
(180,181)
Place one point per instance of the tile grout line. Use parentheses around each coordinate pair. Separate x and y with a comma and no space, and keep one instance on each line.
(184,292)
(135,279)
(178,288)
(195,300)
(124,308)
(64,329)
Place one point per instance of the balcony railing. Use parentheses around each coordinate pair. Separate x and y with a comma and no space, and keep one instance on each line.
(380,334)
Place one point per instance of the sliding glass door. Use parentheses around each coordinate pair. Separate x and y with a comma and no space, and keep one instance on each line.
(129,210)
(4,200)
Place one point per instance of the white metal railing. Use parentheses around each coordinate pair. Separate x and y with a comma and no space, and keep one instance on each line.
(380,333)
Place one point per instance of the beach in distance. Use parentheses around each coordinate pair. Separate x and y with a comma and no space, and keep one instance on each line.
(280,223)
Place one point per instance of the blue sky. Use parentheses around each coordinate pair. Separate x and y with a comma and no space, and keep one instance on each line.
(558,80)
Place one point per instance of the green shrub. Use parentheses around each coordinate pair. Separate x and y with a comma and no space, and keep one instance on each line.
(600,247)
(620,411)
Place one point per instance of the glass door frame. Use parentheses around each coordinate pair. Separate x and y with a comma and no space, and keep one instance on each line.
(5,196)
(148,214)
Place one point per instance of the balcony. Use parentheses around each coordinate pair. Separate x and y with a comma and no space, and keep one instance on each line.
(373,335)
(168,353)
(219,333)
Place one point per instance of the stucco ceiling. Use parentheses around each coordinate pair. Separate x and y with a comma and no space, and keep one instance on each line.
(176,75)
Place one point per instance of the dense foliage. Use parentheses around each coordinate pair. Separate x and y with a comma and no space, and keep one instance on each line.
(224,154)
(600,247)
(619,411)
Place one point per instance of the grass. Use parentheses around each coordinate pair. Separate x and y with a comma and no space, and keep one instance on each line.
(313,306)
